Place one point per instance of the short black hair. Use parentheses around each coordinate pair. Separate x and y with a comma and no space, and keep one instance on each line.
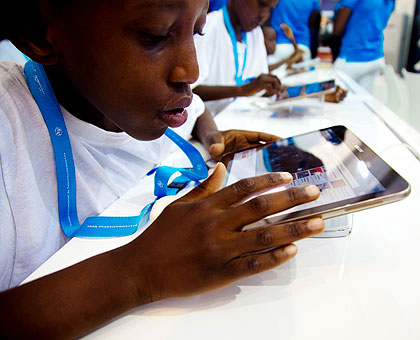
(22,17)
(15,15)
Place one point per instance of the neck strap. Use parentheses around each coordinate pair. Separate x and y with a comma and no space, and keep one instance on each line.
(239,73)
(96,226)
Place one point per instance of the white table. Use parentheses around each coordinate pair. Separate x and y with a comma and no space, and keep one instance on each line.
(365,286)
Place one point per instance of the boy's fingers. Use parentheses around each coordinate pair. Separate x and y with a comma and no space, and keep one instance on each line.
(266,205)
(261,239)
(217,148)
(244,188)
(208,187)
(257,263)
(261,137)
(275,83)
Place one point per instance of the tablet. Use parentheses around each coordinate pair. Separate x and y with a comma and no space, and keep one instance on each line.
(305,90)
(349,174)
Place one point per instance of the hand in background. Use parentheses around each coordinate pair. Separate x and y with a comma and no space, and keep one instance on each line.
(235,140)
(336,97)
(268,82)
(296,57)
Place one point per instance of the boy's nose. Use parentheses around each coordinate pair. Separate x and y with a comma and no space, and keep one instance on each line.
(185,69)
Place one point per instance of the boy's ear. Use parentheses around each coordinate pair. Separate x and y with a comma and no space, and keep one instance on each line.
(37,47)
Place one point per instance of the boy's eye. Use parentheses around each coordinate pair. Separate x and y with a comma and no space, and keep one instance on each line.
(265,4)
(151,40)
(200,33)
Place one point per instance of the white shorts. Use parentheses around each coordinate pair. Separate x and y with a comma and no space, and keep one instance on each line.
(362,72)
(284,51)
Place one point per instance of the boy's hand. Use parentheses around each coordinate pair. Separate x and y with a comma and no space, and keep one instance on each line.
(235,140)
(337,96)
(198,244)
(268,82)
(296,57)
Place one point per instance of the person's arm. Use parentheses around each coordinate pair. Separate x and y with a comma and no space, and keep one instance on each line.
(297,54)
(205,129)
(195,245)
(340,21)
(70,302)
(314,20)
(218,142)
(276,65)
(216,92)
(289,34)
(314,25)
(296,57)
(268,82)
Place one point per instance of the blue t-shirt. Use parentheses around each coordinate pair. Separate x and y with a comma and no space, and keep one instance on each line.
(363,37)
(294,13)
(215,5)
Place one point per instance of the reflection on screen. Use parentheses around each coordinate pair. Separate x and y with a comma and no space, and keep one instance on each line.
(319,158)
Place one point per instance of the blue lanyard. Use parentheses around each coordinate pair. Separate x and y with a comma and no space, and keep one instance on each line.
(98,226)
(239,74)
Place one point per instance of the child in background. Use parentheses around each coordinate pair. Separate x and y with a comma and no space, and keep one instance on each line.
(360,25)
(300,16)
(232,55)
(121,72)
(269,40)
(270,45)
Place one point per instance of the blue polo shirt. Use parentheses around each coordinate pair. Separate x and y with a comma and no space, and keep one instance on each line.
(294,13)
(363,37)
(215,5)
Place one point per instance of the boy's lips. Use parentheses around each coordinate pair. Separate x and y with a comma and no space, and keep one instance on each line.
(177,115)
(174,118)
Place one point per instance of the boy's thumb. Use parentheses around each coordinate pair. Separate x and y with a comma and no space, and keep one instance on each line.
(217,148)
(209,186)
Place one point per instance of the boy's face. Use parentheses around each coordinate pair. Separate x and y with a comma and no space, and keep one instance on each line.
(252,13)
(270,40)
(132,61)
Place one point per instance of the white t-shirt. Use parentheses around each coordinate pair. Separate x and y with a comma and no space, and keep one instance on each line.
(216,59)
(9,52)
(107,165)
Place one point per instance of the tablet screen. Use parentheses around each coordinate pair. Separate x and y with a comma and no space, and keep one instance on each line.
(334,159)
(307,89)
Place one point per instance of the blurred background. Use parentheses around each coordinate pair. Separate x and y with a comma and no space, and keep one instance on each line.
(398,87)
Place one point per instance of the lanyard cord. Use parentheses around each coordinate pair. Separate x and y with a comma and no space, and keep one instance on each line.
(97,226)
(239,75)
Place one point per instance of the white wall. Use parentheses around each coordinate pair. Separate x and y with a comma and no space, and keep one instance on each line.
(398,33)
(405,6)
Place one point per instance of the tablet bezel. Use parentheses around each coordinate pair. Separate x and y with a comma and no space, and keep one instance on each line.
(396,187)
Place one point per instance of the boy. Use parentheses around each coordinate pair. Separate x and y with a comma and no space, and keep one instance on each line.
(300,16)
(270,45)
(232,56)
(121,66)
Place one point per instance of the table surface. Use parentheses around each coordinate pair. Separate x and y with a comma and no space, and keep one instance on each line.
(364,286)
